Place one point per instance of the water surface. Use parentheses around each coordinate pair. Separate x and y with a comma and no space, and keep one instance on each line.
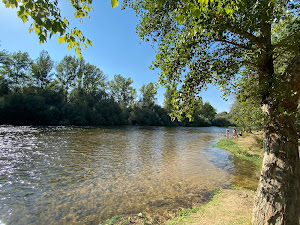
(72,175)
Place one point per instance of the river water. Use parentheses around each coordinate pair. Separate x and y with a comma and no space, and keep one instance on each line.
(75,175)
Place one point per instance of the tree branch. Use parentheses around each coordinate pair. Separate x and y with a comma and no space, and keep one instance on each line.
(245,34)
(237,30)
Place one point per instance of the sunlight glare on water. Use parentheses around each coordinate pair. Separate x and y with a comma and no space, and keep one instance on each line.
(54,175)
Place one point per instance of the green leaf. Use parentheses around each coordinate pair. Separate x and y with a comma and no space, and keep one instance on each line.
(196,13)
(229,10)
(78,32)
(42,38)
(179,19)
(114,3)
(55,27)
(29,5)
(89,42)
(203,1)
(38,21)
(24,18)
(37,29)
(21,11)
(61,40)
(48,24)
(7,4)
(77,50)
(160,3)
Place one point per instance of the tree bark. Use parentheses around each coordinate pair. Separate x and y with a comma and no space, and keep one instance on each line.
(278,195)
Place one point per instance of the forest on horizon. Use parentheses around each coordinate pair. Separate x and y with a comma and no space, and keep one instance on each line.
(75,92)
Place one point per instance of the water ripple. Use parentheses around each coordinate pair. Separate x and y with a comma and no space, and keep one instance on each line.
(69,175)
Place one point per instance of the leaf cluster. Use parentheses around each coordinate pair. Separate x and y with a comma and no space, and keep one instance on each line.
(211,41)
(47,20)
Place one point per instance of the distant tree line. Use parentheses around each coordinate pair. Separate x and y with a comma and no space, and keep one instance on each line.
(75,92)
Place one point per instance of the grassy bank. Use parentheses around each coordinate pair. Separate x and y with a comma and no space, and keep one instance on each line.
(248,147)
(187,216)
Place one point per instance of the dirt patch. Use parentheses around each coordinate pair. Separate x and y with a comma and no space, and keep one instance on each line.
(230,207)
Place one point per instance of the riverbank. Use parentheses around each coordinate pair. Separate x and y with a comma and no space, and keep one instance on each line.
(248,147)
(228,206)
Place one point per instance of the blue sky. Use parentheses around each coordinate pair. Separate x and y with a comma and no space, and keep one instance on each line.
(116,48)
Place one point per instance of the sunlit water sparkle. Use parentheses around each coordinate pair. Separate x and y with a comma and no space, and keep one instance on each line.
(72,175)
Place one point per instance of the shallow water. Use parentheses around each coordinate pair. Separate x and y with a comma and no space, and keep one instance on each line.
(71,175)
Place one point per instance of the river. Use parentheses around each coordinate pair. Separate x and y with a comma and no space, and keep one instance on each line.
(85,175)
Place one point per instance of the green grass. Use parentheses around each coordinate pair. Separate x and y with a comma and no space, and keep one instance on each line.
(231,146)
(113,220)
(185,216)
(259,140)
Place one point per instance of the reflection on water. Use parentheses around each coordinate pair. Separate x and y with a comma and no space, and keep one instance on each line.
(85,175)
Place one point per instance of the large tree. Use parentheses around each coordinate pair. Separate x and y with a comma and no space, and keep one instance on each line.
(208,41)
(67,71)
(208,111)
(148,92)
(168,97)
(41,69)
(93,79)
(15,68)
(122,91)
(246,111)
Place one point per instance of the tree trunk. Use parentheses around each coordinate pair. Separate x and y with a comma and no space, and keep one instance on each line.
(278,194)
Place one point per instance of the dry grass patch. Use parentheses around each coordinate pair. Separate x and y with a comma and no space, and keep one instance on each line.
(231,207)
(227,208)
(252,143)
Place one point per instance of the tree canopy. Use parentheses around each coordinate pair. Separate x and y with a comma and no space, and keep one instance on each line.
(201,43)
(122,91)
(148,92)
(47,20)
(41,69)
